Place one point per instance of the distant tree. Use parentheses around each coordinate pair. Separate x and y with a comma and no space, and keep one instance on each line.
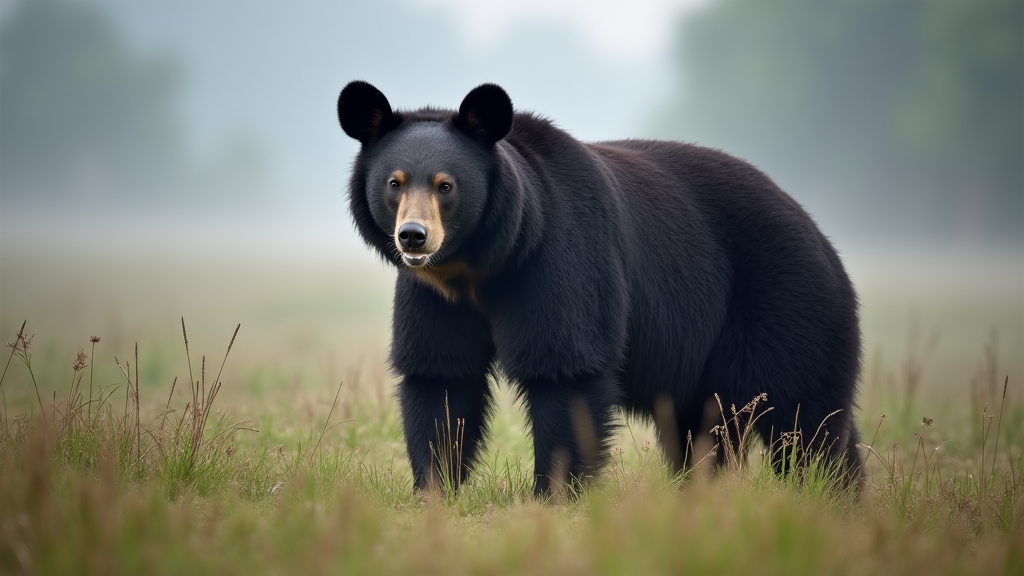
(963,109)
(888,111)
(80,115)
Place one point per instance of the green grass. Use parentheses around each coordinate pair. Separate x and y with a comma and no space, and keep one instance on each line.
(126,461)
(108,476)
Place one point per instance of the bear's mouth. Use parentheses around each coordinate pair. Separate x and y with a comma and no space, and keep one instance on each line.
(415,260)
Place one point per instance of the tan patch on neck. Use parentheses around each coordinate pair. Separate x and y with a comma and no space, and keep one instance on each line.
(454,281)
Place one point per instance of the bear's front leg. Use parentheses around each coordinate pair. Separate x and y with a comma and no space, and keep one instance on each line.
(572,424)
(444,420)
(443,352)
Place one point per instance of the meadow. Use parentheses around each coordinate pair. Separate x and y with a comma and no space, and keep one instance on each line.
(144,431)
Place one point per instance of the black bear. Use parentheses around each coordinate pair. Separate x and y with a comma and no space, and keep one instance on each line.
(632,274)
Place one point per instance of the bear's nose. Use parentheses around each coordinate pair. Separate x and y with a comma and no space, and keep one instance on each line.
(412,235)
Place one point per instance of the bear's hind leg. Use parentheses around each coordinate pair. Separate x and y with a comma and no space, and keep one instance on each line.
(827,441)
(853,461)
(684,432)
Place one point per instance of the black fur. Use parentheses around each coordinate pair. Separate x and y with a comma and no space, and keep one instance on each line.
(615,274)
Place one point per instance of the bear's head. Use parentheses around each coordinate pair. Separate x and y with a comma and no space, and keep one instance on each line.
(425,175)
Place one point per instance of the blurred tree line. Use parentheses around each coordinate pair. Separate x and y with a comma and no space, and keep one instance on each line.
(904,117)
(84,121)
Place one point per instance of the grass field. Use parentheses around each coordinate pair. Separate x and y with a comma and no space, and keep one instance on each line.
(290,459)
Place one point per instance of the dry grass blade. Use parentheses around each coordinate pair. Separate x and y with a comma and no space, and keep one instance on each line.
(999,425)
(822,425)
(20,348)
(188,358)
(138,418)
(167,407)
(92,372)
(14,348)
(225,359)
(328,421)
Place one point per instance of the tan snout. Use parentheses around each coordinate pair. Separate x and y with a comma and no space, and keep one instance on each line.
(418,228)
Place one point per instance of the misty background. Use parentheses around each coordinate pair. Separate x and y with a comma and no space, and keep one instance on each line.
(894,123)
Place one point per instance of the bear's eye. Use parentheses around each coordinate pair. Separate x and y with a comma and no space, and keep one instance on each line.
(445,187)
(393,184)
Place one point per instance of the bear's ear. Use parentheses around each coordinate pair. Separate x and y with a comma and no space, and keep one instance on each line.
(364,112)
(485,114)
